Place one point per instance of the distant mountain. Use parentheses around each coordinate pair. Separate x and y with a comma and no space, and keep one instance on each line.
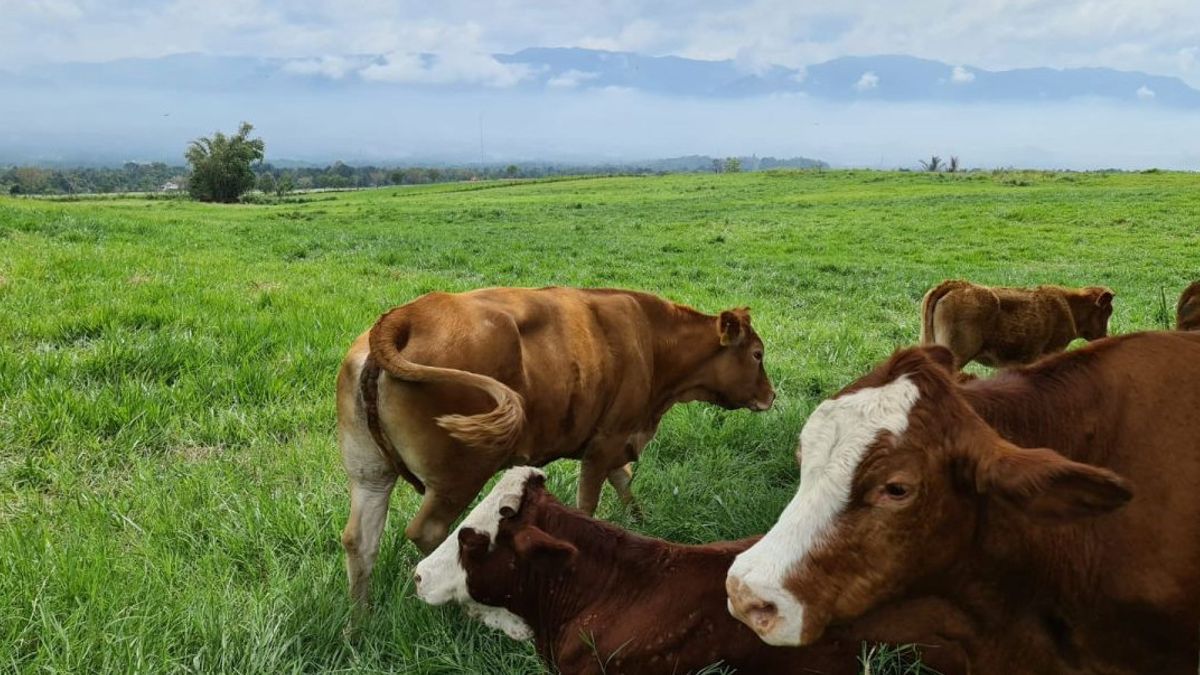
(888,78)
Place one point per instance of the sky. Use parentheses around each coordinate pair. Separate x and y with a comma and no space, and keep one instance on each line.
(1156,36)
(383,42)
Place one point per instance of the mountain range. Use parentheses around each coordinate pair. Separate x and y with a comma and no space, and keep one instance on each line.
(891,78)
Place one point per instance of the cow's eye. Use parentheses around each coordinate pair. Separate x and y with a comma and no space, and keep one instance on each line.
(896,490)
(758,355)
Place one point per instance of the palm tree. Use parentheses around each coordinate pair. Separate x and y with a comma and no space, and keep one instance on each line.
(221,165)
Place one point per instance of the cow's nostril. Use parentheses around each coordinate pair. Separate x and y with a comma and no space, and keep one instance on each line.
(416,578)
(745,605)
(762,615)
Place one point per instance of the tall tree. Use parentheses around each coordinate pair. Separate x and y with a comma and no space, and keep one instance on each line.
(221,165)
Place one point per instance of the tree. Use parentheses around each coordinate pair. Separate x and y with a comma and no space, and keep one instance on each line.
(284,185)
(266,183)
(511,171)
(952,166)
(934,164)
(221,165)
(733,165)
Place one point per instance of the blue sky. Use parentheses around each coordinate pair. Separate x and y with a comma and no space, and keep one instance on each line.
(1157,36)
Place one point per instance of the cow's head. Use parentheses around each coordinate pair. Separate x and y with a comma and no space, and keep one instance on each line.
(736,377)
(1092,309)
(446,574)
(893,472)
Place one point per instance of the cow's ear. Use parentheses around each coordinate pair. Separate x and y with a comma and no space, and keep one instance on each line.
(1104,297)
(472,542)
(732,326)
(539,547)
(1045,485)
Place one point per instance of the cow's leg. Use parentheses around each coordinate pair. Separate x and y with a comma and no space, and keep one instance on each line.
(591,479)
(429,527)
(360,538)
(621,478)
(964,344)
(444,502)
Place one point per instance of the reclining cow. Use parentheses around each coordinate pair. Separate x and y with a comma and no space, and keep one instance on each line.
(598,599)
(450,388)
(1011,326)
(1055,505)
(1187,312)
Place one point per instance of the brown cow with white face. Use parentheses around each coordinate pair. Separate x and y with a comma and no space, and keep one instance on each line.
(449,389)
(597,599)
(1056,505)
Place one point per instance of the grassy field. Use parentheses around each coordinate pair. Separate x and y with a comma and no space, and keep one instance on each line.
(170,491)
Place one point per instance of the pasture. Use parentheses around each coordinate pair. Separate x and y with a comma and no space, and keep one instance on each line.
(170,491)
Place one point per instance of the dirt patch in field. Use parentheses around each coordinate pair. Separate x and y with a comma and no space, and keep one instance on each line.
(139,279)
(194,454)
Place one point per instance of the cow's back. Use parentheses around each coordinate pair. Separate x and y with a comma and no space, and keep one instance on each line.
(1029,323)
(574,355)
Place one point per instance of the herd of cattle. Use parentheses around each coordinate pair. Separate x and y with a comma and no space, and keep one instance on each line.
(1045,519)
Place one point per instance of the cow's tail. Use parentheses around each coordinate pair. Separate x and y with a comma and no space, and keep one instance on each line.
(929,304)
(497,429)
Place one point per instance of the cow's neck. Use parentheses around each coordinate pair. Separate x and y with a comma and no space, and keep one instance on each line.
(610,560)
(549,600)
(1060,406)
(1041,567)
(678,355)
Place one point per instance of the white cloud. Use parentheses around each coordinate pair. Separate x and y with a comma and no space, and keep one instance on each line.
(637,35)
(333,67)
(1156,36)
(867,82)
(571,79)
(446,68)
(1188,59)
(961,75)
(1145,93)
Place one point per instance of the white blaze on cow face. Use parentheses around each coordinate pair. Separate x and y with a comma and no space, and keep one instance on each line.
(833,443)
(440,577)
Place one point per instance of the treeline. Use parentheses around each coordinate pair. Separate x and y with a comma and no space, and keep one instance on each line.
(129,177)
(160,177)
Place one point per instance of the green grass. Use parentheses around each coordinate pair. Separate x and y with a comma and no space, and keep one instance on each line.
(170,492)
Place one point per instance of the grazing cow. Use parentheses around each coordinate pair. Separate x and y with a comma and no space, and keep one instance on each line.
(1011,326)
(1055,505)
(1187,312)
(450,388)
(598,599)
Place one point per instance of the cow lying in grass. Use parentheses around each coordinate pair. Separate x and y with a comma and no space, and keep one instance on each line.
(598,599)
(1011,326)
(1056,505)
(1187,312)
(451,388)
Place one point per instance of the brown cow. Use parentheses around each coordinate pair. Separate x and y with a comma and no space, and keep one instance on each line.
(1084,558)
(599,599)
(459,386)
(1187,312)
(999,326)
